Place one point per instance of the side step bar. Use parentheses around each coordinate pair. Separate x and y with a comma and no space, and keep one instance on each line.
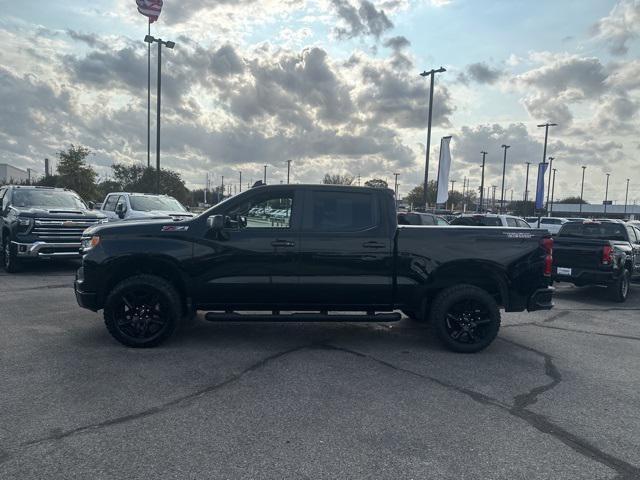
(301,317)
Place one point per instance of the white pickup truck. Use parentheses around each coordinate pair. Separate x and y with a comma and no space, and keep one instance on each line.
(142,206)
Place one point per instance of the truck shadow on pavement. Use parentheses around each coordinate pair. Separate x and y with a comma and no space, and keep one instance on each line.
(46,268)
(594,298)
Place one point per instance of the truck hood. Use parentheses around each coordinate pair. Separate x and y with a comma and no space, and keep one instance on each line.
(163,214)
(58,213)
(138,227)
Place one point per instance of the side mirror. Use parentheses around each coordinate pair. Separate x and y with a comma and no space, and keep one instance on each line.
(120,210)
(92,205)
(215,222)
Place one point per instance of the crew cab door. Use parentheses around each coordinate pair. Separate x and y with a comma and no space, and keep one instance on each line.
(346,252)
(634,239)
(253,260)
(109,207)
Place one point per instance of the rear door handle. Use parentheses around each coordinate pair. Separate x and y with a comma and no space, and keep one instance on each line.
(283,243)
(373,245)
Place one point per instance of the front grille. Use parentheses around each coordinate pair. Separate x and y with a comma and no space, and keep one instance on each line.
(61,228)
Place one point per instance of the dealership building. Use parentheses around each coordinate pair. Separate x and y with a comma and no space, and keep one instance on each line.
(11,174)
(589,210)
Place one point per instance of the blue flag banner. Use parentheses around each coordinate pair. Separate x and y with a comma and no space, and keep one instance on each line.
(542,169)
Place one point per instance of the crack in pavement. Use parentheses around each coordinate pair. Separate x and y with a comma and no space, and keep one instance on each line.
(624,470)
(42,287)
(602,334)
(180,401)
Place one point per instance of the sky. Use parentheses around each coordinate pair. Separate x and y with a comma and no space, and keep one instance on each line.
(332,85)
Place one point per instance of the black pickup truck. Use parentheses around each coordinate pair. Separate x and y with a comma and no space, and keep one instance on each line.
(605,253)
(334,249)
(41,223)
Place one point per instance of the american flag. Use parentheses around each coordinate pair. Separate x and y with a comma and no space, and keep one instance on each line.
(150,8)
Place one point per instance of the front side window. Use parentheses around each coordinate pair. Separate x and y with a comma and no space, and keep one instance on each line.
(110,204)
(343,211)
(273,211)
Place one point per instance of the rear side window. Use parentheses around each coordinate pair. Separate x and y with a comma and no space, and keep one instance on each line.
(511,222)
(632,234)
(522,223)
(343,211)
(479,221)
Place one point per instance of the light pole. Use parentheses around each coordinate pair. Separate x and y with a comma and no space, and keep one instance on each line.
(395,188)
(493,197)
(504,168)
(526,183)
(169,44)
(288,170)
(582,187)
(265,175)
(553,188)
(484,154)
(549,184)
(240,181)
(432,74)
(544,150)
(626,198)
(606,195)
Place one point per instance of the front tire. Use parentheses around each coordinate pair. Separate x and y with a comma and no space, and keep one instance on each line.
(9,257)
(619,290)
(465,318)
(142,311)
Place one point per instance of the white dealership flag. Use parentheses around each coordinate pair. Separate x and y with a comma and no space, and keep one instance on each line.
(443,170)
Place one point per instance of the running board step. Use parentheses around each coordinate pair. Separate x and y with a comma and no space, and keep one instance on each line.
(300,317)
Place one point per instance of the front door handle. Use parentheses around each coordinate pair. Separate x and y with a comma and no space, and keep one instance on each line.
(283,243)
(373,245)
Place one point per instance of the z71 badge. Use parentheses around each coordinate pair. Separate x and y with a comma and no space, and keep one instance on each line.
(175,228)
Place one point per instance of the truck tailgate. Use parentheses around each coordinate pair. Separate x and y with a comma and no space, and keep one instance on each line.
(578,252)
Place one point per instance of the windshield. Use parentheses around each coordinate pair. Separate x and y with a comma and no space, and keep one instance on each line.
(147,203)
(604,231)
(47,199)
(477,221)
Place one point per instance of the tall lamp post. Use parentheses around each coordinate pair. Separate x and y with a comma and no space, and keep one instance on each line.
(553,189)
(544,150)
(606,195)
(395,188)
(432,74)
(240,181)
(626,198)
(169,44)
(582,187)
(484,154)
(526,183)
(288,170)
(549,184)
(504,168)
(265,175)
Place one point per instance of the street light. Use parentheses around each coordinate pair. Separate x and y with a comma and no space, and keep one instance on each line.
(526,183)
(549,184)
(395,189)
(432,74)
(288,170)
(626,198)
(484,154)
(240,181)
(544,151)
(504,168)
(169,44)
(553,188)
(582,187)
(606,195)
(265,175)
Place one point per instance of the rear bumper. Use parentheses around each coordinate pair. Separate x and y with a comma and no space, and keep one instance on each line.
(588,277)
(542,299)
(48,250)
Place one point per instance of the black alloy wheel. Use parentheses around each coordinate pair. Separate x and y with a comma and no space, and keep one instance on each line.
(142,311)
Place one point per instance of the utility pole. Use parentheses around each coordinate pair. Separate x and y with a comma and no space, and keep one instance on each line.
(582,187)
(553,188)
(265,175)
(46,167)
(169,44)
(222,187)
(626,198)
(606,195)
(526,183)
(240,184)
(484,154)
(432,74)
(206,187)
(544,150)
(549,184)
(288,170)
(395,189)
(493,198)
(504,168)
(28,176)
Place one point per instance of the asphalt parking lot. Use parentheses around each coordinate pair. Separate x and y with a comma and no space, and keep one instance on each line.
(555,397)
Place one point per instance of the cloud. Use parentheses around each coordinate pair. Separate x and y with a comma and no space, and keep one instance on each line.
(362,21)
(619,27)
(397,43)
(481,73)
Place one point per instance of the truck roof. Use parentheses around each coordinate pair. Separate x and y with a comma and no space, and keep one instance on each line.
(321,185)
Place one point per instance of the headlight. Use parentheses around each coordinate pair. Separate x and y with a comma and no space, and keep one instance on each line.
(88,243)
(24,222)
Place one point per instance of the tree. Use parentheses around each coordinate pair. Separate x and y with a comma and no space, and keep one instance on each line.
(74,172)
(414,197)
(377,183)
(137,178)
(571,200)
(337,179)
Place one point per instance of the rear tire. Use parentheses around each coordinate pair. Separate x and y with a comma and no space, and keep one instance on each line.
(142,311)
(10,260)
(619,290)
(465,318)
